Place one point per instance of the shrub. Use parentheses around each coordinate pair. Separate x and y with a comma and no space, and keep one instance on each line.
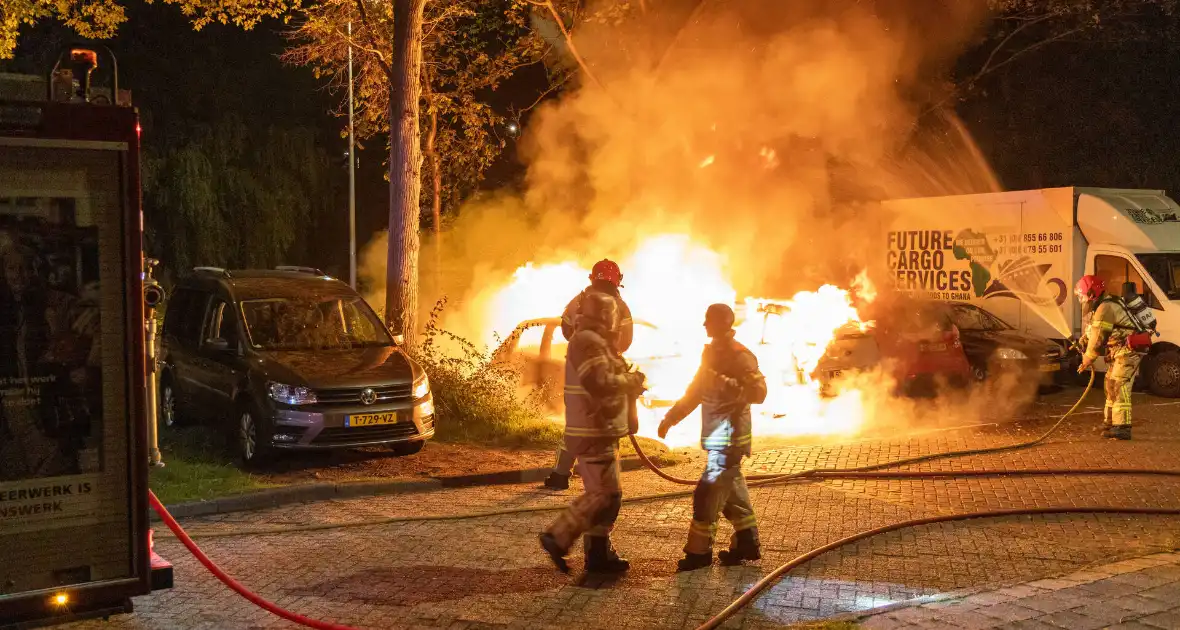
(476,398)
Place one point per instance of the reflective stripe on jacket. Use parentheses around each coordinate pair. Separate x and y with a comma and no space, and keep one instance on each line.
(596,383)
(624,330)
(725,407)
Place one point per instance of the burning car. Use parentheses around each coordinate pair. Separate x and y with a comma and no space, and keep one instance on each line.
(916,342)
(539,348)
(923,342)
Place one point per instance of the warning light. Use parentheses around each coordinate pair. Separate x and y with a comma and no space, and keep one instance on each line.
(61,599)
(138,130)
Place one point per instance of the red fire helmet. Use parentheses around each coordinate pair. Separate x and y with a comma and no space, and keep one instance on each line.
(607,270)
(1090,287)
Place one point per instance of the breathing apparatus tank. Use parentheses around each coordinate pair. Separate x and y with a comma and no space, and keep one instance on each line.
(1138,309)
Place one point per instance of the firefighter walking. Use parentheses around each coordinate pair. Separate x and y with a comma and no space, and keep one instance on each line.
(598,387)
(725,385)
(1108,332)
(605,279)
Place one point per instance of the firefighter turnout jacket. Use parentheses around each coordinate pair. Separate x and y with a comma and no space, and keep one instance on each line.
(1107,332)
(624,331)
(597,387)
(725,385)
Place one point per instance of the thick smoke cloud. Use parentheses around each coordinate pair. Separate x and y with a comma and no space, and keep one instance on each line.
(729,129)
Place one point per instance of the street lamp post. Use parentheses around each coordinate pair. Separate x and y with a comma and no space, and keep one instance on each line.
(351,174)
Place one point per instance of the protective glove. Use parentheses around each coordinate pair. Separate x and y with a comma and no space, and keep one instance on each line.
(1087,363)
(665,425)
(638,382)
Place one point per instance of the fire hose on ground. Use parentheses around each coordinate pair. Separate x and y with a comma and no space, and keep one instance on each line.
(872,471)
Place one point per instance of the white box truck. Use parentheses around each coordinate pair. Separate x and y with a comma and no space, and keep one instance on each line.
(1019,254)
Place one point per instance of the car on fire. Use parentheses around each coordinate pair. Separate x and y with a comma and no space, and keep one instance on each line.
(924,343)
(288,359)
(537,348)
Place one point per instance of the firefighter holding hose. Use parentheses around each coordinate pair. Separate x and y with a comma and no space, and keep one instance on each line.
(605,279)
(725,386)
(598,387)
(1109,331)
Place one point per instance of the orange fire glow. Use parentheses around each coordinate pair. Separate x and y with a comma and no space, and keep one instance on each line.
(669,280)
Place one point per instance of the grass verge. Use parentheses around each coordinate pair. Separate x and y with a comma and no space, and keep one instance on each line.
(196,467)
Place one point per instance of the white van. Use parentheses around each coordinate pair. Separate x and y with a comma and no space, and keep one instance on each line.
(1019,254)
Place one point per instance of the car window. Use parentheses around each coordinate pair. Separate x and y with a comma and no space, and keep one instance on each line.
(971,319)
(185,326)
(529,343)
(558,344)
(220,324)
(1116,271)
(312,323)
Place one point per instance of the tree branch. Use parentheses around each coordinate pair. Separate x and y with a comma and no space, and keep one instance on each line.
(569,41)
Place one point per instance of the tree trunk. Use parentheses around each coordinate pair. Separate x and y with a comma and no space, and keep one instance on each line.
(405,167)
(435,180)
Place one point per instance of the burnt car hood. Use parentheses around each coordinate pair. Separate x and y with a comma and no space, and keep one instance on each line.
(327,369)
(988,340)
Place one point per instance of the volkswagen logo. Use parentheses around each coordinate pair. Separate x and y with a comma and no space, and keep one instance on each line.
(368,396)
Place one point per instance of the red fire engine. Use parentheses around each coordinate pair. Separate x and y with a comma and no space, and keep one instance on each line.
(74,374)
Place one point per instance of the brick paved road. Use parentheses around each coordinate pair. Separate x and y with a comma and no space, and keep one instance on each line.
(489,572)
(1138,594)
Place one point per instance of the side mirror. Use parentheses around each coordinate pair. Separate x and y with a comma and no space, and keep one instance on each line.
(399,340)
(218,345)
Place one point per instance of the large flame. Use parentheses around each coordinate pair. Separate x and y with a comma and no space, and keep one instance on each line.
(669,280)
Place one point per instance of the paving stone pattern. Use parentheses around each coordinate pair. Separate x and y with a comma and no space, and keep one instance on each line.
(489,572)
(1142,593)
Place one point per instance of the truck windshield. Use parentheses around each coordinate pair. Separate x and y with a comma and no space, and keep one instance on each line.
(312,324)
(1165,270)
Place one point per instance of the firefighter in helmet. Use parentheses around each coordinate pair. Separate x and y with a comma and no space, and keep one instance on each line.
(1107,327)
(597,388)
(605,279)
(725,385)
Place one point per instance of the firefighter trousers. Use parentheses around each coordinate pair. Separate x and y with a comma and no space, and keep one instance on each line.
(594,512)
(565,461)
(1120,376)
(720,491)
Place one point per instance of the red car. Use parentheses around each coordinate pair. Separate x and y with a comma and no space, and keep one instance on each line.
(914,341)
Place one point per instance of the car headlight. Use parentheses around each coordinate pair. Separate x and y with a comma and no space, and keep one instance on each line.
(1008,354)
(421,387)
(291,395)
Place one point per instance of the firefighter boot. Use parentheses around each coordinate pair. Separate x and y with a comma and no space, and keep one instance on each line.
(601,557)
(1107,430)
(557,481)
(694,561)
(744,547)
(556,553)
(1121,432)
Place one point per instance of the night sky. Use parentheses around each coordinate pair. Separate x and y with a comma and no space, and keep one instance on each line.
(1094,114)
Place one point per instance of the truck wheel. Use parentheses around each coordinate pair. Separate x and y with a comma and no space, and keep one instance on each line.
(1163,374)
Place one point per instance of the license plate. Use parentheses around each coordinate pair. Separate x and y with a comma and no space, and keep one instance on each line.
(934,347)
(371,419)
(1050,367)
(834,374)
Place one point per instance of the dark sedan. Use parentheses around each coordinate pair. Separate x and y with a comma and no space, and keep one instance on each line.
(994,347)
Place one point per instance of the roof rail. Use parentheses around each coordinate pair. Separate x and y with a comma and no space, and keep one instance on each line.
(297,269)
(215,270)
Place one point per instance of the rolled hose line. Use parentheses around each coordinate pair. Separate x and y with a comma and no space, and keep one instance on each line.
(862,472)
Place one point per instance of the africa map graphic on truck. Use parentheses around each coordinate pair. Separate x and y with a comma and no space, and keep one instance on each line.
(976,264)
